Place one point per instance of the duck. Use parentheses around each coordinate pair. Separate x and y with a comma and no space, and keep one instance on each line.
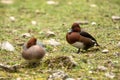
(33,51)
(80,39)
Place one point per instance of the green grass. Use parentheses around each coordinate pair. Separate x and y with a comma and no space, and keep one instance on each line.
(52,17)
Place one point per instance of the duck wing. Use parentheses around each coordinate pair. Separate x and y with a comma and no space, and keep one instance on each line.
(85,34)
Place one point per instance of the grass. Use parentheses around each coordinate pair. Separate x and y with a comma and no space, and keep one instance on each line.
(59,18)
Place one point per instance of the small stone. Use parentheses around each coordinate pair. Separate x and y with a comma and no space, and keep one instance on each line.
(12,18)
(82,22)
(116,17)
(53,42)
(70,79)
(7,1)
(58,75)
(26,35)
(79,79)
(93,23)
(93,5)
(90,72)
(102,68)
(110,75)
(51,2)
(50,34)
(105,51)
(7,46)
(34,22)
(19,78)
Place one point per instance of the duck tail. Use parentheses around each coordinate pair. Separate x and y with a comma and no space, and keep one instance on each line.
(96,44)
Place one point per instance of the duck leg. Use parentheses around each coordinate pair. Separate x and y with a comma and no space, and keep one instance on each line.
(78,51)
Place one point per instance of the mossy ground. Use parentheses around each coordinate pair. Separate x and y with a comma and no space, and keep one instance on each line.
(59,18)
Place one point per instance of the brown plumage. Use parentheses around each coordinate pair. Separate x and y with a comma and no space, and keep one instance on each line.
(31,42)
(32,51)
(80,39)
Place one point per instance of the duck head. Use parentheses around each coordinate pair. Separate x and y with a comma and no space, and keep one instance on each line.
(75,27)
(31,42)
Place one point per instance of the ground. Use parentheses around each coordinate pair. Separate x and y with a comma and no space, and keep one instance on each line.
(16,18)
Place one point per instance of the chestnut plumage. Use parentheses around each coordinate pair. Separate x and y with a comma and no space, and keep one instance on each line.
(32,51)
(80,39)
